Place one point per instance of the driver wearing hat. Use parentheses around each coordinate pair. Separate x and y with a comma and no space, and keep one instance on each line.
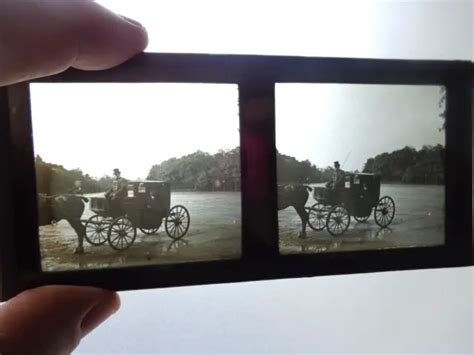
(119,186)
(337,181)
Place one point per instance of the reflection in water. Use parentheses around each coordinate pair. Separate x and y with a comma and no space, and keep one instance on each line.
(175,245)
(205,242)
(348,243)
(382,232)
(146,250)
(159,252)
(419,222)
(313,248)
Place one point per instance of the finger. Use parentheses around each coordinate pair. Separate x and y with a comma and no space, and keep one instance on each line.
(39,38)
(53,319)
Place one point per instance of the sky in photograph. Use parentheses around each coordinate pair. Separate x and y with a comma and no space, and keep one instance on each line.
(351,123)
(99,127)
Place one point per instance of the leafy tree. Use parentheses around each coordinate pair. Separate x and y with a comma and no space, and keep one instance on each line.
(409,165)
(54,179)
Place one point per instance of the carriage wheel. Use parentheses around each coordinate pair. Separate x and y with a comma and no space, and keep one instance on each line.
(96,230)
(384,211)
(149,231)
(317,214)
(362,219)
(177,222)
(122,233)
(338,220)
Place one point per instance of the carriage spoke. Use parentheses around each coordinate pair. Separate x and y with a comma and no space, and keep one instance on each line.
(117,237)
(317,217)
(177,222)
(337,220)
(121,234)
(95,232)
(385,211)
(172,228)
(178,229)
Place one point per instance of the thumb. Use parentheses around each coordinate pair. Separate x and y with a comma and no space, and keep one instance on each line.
(39,38)
(52,320)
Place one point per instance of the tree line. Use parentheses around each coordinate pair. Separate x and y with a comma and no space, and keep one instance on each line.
(408,165)
(291,170)
(202,171)
(53,179)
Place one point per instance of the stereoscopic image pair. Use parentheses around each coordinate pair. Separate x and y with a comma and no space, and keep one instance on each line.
(135,174)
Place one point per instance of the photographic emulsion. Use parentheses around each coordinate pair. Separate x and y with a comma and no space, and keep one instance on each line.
(370,173)
(136,168)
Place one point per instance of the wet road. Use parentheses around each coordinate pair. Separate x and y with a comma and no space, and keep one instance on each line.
(418,221)
(214,234)
(215,229)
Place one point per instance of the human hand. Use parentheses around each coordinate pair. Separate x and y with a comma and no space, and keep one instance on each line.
(52,320)
(39,38)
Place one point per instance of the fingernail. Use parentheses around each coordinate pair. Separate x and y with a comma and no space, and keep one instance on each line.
(133,22)
(100,313)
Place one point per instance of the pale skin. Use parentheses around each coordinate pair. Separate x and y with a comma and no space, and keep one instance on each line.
(40,38)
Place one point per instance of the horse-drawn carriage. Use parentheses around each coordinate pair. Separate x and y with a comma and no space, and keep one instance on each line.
(358,198)
(145,206)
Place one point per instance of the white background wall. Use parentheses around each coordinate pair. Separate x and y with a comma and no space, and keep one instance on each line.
(396,312)
(426,311)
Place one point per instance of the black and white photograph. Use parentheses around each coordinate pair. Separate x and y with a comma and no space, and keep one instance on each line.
(360,167)
(134,174)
